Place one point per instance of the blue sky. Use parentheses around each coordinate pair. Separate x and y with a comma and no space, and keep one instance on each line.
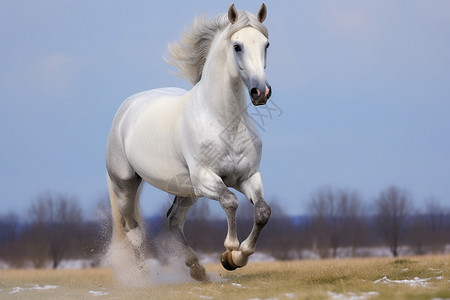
(361,90)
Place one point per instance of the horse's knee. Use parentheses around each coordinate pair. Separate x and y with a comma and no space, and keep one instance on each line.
(229,201)
(126,191)
(262,213)
(230,205)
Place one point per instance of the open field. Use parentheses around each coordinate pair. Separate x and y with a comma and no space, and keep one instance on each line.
(422,277)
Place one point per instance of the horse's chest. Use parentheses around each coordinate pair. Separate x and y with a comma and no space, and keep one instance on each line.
(235,161)
(231,158)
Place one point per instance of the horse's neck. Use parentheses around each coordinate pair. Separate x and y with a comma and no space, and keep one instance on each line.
(221,92)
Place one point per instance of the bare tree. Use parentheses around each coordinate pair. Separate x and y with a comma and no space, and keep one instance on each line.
(36,235)
(323,209)
(9,227)
(418,235)
(53,223)
(352,216)
(336,216)
(280,236)
(394,208)
(11,251)
(436,215)
(437,220)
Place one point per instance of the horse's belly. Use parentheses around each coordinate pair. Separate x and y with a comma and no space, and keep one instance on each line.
(171,178)
(163,171)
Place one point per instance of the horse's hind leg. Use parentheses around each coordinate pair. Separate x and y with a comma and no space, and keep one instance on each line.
(124,195)
(177,217)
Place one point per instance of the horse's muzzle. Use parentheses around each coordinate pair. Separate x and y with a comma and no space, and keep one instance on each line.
(258,97)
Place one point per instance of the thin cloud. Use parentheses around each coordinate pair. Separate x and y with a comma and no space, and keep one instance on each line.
(54,74)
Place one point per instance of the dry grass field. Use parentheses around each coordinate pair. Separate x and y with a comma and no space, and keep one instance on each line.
(422,277)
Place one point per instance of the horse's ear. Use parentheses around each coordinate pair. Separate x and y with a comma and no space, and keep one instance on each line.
(232,14)
(262,13)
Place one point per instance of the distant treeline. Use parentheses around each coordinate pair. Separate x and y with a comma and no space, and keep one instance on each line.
(337,219)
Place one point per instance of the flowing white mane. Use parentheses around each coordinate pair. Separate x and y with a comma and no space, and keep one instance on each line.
(189,54)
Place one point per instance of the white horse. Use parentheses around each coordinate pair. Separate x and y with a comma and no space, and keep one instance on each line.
(196,143)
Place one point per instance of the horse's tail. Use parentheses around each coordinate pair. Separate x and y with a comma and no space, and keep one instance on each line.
(118,229)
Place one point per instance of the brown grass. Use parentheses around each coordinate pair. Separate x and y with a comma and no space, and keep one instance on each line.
(314,279)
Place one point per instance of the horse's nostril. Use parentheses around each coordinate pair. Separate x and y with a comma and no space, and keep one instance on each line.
(254,92)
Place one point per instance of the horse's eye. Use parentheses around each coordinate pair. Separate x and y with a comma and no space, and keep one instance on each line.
(237,48)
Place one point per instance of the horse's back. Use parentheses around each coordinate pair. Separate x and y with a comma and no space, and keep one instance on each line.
(146,99)
(138,105)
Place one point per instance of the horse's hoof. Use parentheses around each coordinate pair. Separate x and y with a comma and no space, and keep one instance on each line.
(227,261)
(198,272)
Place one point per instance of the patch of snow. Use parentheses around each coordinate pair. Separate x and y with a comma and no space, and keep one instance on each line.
(236,284)
(309,254)
(35,288)
(352,296)
(410,282)
(3,265)
(345,252)
(64,264)
(45,287)
(289,295)
(98,293)
(261,257)
(16,290)
(436,270)
(76,263)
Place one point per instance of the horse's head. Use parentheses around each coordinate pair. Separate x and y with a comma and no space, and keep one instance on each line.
(249,47)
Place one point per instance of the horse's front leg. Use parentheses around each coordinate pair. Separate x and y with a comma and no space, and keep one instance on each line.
(210,185)
(254,191)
